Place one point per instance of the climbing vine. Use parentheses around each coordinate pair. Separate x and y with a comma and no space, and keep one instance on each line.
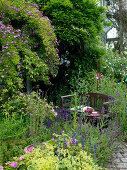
(28,45)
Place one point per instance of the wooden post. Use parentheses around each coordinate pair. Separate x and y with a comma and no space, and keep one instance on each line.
(97,75)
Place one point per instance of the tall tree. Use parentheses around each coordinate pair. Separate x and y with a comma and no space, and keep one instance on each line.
(78,26)
(117,12)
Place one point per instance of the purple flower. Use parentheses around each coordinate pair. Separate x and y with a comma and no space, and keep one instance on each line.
(2,76)
(0,61)
(14,164)
(25,41)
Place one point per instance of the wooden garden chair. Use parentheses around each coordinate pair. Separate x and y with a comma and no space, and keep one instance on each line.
(99,102)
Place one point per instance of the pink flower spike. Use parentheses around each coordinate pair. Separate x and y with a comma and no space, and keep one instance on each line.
(67,143)
(31,149)
(21,94)
(20,159)
(14,164)
(53,139)
(100,79)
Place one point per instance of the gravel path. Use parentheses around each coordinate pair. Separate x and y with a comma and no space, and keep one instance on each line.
(120,159)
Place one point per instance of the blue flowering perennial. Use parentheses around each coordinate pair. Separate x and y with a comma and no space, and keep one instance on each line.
(82,142)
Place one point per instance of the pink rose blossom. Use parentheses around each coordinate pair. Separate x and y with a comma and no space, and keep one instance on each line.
(73,140)
(20,159)
(1,167)
(14,164)
(53,139)
(67,143)
(31,149)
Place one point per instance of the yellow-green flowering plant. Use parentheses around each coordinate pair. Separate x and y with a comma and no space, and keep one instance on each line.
(44,158)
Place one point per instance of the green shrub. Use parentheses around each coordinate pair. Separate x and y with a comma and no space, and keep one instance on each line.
(114,66)
(11,131)
(26,105)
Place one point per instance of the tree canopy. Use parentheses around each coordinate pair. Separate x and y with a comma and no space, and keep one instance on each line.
(78,25)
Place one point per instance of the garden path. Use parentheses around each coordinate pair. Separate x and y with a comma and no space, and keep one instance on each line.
(120,159)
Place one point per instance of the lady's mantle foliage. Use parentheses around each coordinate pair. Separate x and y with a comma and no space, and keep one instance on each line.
(27,44)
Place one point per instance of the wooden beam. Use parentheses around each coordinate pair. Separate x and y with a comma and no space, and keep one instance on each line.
(112,39)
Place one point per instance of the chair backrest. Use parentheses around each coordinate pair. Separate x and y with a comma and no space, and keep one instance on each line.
(95,100)
(65,104)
